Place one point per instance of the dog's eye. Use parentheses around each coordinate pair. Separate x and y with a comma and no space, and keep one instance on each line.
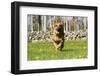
(61,25)
(55,25)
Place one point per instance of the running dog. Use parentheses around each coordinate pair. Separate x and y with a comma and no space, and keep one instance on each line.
(58,34)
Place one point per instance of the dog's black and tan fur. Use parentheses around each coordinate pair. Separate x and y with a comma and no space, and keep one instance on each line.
(58,34)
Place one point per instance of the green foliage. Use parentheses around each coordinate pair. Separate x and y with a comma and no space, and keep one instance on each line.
(46,51)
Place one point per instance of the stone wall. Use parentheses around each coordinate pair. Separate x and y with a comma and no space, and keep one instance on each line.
(46,36)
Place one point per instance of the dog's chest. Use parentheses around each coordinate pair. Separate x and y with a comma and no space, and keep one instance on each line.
(57,39)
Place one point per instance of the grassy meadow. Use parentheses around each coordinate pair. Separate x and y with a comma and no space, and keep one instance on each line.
(74,49)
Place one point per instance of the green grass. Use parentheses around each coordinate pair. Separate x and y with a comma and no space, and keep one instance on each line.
(46,50)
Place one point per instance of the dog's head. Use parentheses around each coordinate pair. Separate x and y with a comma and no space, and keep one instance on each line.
(58,25)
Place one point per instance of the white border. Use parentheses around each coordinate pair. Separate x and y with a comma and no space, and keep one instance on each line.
(26,65)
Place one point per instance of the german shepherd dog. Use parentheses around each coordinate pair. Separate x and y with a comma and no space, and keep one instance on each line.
(58,34)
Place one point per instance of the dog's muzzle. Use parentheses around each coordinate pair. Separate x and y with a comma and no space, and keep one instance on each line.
(58,29)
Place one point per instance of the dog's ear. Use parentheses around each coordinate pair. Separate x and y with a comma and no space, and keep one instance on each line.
(52,28)
(62,23)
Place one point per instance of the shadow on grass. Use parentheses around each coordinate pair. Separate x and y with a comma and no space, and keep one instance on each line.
(66,50)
